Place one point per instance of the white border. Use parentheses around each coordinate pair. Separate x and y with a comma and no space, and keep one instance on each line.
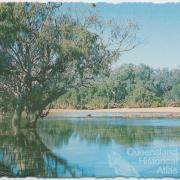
(96,1)
(117,178)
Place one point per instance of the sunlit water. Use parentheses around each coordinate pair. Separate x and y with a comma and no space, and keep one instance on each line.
(94,146)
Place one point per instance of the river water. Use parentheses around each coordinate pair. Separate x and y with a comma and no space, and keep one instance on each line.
(93,147)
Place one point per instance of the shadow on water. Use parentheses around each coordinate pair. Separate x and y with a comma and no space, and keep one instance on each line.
(26,155)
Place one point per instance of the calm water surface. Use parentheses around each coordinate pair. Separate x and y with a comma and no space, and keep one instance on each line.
(86,147)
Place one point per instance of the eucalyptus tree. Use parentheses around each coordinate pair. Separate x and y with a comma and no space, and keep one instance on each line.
(45,52)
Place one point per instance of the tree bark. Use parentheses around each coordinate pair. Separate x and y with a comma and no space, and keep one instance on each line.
(32,117)
(16,120)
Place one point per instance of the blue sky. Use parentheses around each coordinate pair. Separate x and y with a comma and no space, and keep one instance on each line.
(159,29)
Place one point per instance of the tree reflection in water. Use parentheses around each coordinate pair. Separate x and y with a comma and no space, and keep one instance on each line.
(55,133)
(30,152)
(25,155)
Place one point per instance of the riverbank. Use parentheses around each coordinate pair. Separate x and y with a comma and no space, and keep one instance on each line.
(127,110)
(119,112)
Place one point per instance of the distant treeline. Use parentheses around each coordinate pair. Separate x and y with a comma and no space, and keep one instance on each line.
(127,86)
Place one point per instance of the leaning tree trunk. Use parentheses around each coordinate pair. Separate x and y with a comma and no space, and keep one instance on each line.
(16,120)
(32,117)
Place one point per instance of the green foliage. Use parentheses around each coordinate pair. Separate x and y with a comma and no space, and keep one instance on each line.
(128,86)
(142,97)
(50,57)
(44,53)
(98,103)
(172,97)
(7,103)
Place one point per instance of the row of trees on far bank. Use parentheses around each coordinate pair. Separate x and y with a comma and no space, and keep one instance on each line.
(127,86)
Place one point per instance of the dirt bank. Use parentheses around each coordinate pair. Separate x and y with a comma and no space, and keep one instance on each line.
(126,110)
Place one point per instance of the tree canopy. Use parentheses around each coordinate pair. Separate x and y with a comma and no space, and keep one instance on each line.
(44,53)
(127,86)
